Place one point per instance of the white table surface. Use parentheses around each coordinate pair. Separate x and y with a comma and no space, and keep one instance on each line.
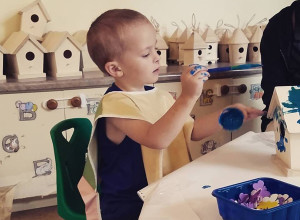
(180,195)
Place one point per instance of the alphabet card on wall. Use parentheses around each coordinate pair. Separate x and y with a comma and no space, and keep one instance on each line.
(63,56)
(34,18)
(2,52)
(25,56)
(285,111)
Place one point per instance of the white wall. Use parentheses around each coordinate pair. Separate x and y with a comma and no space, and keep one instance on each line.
(73,15)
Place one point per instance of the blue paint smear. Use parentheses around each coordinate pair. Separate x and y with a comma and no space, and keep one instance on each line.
(293,101)
(280,144)
(205,186)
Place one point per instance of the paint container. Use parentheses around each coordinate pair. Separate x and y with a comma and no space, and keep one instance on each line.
(231,119)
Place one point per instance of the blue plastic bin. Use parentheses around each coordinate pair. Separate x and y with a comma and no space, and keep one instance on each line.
(229,210)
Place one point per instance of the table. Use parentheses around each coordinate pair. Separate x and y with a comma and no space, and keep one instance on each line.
(186,192)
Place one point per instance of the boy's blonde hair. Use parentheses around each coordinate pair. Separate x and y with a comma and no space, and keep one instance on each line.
(105,38)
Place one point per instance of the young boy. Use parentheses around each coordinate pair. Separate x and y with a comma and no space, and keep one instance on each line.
(141,132)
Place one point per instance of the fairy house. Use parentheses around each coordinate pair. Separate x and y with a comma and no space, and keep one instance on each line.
(285,111)
(254,46)
(2,52)
(34,18)
(238,46)
(63,56)
(181,41)
(195,50)
(223,46)
(161,49)
(174,45)
(212,41)
(25,56)
(86,62)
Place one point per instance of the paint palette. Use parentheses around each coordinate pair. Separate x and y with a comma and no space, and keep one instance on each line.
(230,209)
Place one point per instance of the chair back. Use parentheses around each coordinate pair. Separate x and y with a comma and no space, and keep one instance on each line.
(70,161)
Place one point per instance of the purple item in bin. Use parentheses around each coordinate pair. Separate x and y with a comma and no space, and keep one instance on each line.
(231,210)
(231,119)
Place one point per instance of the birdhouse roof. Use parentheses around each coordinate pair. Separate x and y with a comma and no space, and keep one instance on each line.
(285,105)
(53,40)
(256,37)
(2,50)
(80,36)
(184,36)
(248,33)
(209,36)
(176,35)
(40,5)
(160,42)
(195,41)
(17,40)
(226,37)
(238,37)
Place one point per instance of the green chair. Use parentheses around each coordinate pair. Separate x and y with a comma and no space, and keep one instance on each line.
(70,161)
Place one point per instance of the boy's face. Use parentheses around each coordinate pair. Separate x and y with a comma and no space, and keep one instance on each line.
(139,61)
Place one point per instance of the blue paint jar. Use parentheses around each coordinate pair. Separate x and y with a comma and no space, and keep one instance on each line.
(231,119)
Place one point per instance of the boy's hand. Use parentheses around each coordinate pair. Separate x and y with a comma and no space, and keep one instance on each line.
(248,112)
(192,80)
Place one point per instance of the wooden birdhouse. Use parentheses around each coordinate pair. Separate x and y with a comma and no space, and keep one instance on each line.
(181,41)
(161,49)
(195,50)
(2,52)
(224,46)
(254,46)
(25,56)
(86,62)
(34,18)
(212,42)
(238,46)
(63,57)
(174,45)
(285,111)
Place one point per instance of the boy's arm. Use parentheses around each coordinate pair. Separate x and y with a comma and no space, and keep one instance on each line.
(160,134)
(209,124)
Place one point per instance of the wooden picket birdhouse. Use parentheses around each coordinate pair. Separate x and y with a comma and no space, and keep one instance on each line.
(25,56)
(212,41)
(254,46)
(63,56)
(238,46)
(86,62)
(161,49)
(224,46)
(194,50)
(34,18)
(181,41)
(285,111)
(174,45)
(2,52)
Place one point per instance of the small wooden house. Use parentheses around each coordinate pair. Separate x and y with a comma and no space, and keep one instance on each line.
(238,46)
(86,62)
(285,111)
(254,46)
(63,56)
(195,50)
(224,46)
(34,18)
(181,41)
(161,49)
(2,52)
(25,56)
(212,41)
(174,45)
